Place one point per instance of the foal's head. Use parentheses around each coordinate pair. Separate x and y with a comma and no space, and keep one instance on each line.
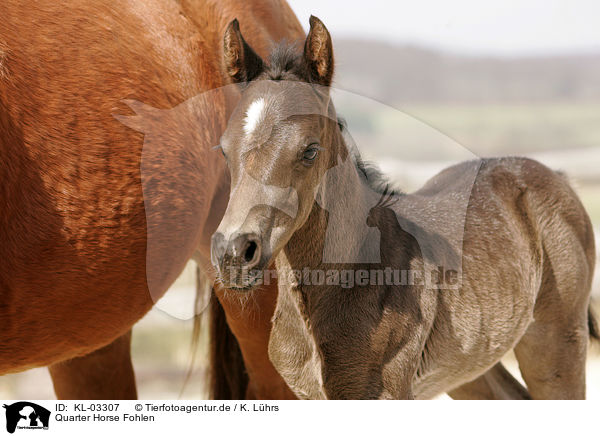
(280,140)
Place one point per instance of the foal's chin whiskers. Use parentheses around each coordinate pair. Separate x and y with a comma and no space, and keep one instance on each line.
(246,300)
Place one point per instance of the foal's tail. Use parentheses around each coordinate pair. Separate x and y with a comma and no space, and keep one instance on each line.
(228,377)
(593,325)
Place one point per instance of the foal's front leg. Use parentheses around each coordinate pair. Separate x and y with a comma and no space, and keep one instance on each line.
(365,373)
(377,361)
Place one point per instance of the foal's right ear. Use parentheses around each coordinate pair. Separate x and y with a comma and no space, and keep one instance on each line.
(318,52)
(242,63)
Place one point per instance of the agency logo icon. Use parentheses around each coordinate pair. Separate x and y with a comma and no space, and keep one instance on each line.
(26,415)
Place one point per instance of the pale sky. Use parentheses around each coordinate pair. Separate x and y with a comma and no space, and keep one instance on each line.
(494,27)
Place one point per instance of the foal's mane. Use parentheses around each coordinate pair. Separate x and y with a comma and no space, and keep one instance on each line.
(287,63)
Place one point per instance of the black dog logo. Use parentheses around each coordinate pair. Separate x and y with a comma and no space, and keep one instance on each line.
(26,415)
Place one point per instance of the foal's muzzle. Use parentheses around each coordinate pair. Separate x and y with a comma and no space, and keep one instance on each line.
(237,259)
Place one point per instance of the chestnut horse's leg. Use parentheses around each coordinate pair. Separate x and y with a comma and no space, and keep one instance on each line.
(105,374)
(496,384)
(248,317)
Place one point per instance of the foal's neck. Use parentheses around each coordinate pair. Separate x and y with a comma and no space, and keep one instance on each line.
(336,231)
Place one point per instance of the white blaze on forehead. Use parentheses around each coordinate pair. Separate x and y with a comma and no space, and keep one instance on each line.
(253,115)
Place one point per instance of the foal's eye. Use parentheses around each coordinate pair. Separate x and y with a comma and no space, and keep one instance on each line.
(311,153)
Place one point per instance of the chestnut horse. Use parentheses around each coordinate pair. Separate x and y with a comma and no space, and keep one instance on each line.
(75,264)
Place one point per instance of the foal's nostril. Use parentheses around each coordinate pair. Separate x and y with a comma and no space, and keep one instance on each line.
(245,250)
(250,251)
(236,257)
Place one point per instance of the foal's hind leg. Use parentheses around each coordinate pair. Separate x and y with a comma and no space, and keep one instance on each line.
(496,384)
(105,374)
(553,350)
(552,359)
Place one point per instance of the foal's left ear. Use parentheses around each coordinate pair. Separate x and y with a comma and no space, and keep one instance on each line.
(318,52)
(242,63)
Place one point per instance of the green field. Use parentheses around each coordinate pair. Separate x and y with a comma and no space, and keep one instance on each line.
(437,132)
(497,130)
